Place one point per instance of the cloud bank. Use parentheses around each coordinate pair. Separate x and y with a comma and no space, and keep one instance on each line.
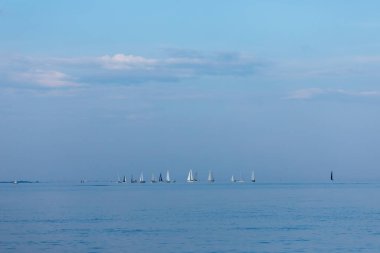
(122,69)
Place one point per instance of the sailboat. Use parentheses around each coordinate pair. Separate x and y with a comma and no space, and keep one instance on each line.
(331,176)
(240,180)
(167,179)
(133,180)
(160,178)
(142,181)
(124,179)
(233,180)
(210,177)
(153,179)
(253,179)
(191,177)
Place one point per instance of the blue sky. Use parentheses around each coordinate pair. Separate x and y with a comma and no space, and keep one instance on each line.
(99,88)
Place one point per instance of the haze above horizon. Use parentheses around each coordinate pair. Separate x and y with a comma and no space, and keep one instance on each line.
(92,89)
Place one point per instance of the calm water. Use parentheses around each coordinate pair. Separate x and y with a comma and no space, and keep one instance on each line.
(190,218)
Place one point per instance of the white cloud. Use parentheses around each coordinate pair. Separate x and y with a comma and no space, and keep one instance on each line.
(310,93)
(52,79)
(357,93)
(125,69)
(122,69)
(121,61)
(369,93)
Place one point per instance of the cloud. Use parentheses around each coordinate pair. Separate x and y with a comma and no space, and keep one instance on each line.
(359,93)
(124,68)
(51,79)
(339,67)
(305,93)
(175,65)
(310,93)
(126,62)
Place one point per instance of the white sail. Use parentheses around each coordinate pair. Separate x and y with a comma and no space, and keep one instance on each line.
(240,180)
(142,178)
(253,179)
(190,177)
(233,179)
(153,179)
(210,177)
(167,177)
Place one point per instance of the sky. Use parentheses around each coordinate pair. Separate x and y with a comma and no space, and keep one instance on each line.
(95,89)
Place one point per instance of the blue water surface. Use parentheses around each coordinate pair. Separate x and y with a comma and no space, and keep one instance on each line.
(259,217)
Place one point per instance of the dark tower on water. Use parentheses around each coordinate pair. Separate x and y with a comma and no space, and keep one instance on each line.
(331,176)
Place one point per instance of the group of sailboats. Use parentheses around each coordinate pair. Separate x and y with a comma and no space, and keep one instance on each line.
(241,180)
(191,178)
(237,180)
(153,179)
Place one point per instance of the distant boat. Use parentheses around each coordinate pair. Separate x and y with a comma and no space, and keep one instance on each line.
(133,180)
(253,179)
(331,176)
(210,178)
(15,182)
(167,179)
(153,179)
(240,180)
(160,178)
(141,180)
(191,177)
(124,179)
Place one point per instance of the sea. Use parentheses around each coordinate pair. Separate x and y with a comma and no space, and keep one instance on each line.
(190,218)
